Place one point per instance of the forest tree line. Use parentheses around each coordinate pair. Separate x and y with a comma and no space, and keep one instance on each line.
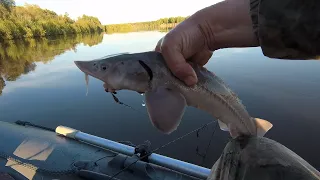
(26,21)
(32,21)
(163,23)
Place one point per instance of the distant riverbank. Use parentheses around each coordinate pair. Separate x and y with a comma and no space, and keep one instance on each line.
(30,21)
(160,24)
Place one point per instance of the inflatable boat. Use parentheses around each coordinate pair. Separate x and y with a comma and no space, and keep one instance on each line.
(29,151)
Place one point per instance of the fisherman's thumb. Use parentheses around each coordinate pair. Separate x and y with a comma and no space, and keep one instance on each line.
(186,73)
(179,66)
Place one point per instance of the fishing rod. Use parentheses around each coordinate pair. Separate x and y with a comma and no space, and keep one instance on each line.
(157,159)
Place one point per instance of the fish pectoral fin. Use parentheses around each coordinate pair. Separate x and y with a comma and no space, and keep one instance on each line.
(223,126)
(263,126)
(165,108)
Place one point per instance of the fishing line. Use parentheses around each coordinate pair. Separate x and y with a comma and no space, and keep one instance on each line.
(95,163)
(163,146)
(206,152)
(121,103)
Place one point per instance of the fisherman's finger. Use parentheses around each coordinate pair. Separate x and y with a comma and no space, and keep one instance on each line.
(158,46)
(178,65)
(201,57)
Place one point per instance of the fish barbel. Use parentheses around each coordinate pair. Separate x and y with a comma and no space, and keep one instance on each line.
(167,96)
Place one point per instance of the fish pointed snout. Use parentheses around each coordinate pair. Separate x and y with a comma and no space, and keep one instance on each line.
(78,64)
(91,68)
(82,65)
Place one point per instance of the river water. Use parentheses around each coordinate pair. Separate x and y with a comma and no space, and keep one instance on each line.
(43,86)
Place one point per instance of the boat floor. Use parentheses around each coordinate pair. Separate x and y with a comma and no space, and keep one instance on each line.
(5,176)
(33,153)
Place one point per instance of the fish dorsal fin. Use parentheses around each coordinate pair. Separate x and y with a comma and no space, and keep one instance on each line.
(263,126)
(165,108)
(112,55)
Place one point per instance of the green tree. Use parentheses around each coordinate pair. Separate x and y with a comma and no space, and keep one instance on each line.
(8,4)
(171,20)
(32,21)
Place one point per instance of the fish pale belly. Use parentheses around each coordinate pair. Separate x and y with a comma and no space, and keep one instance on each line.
(205,96)
(221,110)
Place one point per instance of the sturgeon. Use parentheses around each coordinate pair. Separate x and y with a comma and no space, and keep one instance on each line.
(166,96)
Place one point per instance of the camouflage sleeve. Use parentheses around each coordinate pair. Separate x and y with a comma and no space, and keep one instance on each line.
(287,29)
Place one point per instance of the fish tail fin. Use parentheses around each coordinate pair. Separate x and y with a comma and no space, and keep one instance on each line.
(263,126)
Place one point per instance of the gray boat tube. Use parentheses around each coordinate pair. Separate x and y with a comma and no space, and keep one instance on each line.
(164,161)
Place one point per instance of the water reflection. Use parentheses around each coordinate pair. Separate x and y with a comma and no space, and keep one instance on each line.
(2,84)
(18,57)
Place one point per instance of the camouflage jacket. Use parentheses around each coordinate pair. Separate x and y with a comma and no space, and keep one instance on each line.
(287,29)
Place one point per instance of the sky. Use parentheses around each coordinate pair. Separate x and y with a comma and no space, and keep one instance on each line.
(122,11)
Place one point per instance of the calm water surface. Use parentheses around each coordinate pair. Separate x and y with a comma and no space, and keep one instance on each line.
(44,86)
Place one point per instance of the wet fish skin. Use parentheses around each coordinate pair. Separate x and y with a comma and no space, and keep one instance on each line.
(167,96)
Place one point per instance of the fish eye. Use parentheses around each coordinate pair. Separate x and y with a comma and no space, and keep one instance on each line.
(104,67)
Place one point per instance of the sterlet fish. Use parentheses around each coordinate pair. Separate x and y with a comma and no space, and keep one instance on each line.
(166,96)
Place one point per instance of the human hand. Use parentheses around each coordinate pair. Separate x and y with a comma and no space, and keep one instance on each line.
(225,24)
